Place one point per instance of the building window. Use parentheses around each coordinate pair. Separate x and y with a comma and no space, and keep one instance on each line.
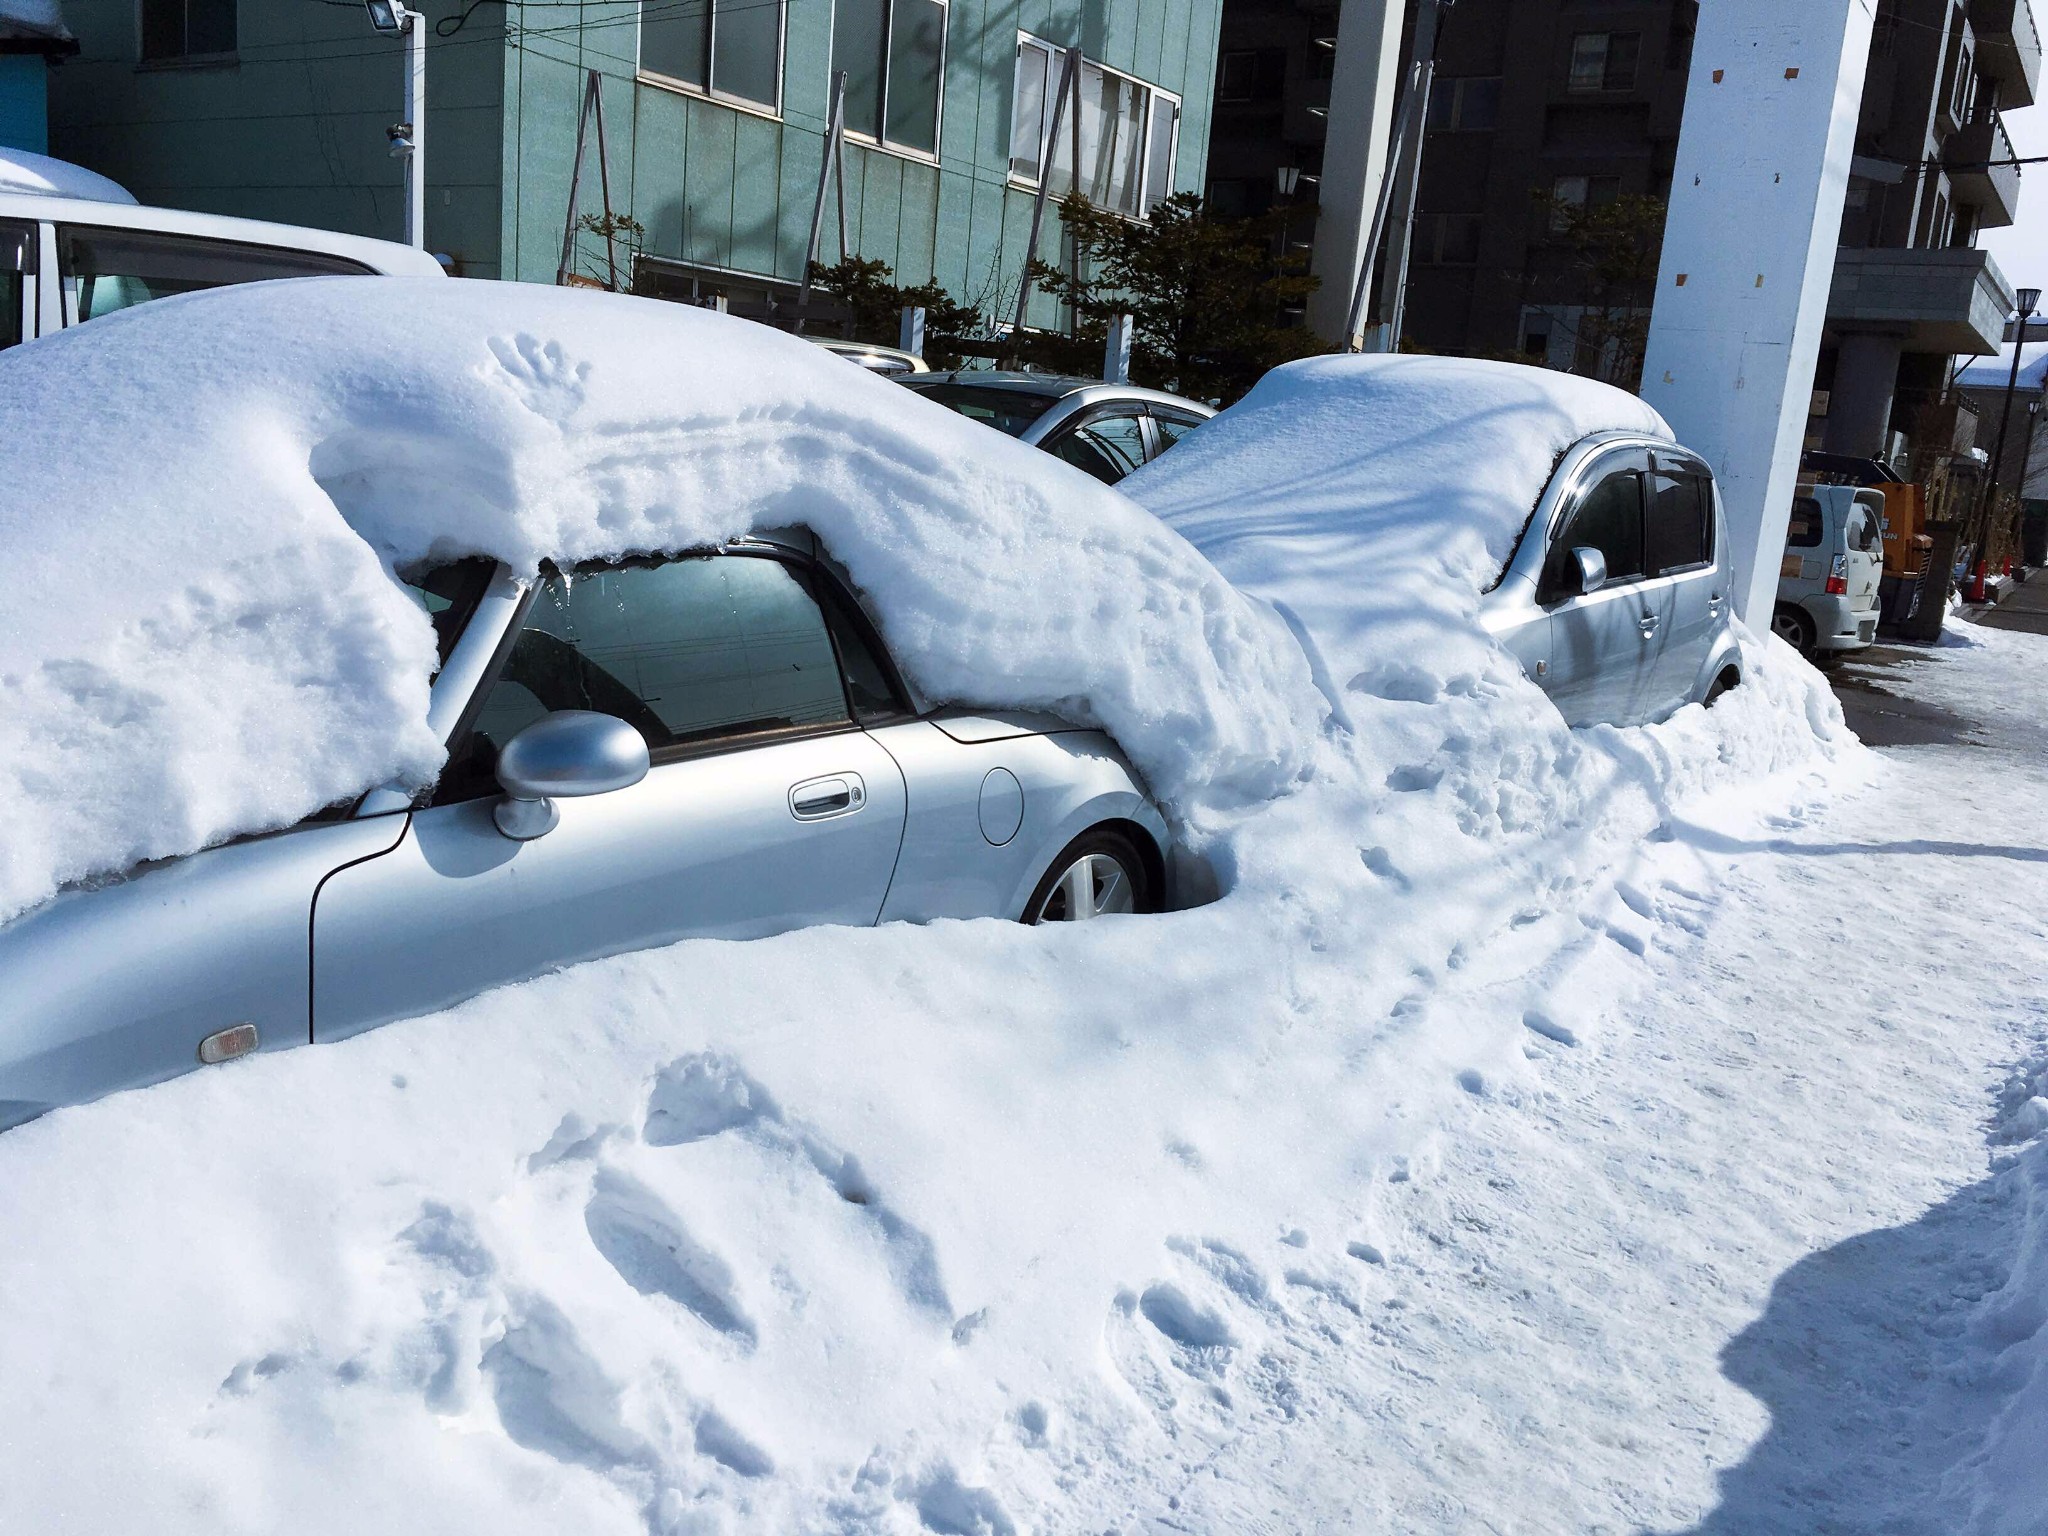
(187,29)
(1961,82)
(1570,195)
(721,47)
(1248,75)
(1446,239)
(1604,61)
(1129,133)
(1470,105)
(894,55)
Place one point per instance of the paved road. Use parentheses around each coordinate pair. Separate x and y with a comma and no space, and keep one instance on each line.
(1883,707)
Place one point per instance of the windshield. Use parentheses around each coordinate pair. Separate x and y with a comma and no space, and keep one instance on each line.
(1007,410)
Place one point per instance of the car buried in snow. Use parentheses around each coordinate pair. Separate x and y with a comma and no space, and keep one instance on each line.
(713,744)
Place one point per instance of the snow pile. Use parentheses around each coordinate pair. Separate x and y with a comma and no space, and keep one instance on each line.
(237,470)
(22,170)
(966,1228)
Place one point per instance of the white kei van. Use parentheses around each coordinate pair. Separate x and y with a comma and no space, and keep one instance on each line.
(74,246)
(1834,557)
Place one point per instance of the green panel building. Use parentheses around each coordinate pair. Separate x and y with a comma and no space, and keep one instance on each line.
(715,115)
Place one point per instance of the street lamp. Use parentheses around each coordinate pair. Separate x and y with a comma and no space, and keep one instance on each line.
(2025,302)
(408,139)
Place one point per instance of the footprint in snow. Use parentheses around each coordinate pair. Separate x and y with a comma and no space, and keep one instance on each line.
(648,1245)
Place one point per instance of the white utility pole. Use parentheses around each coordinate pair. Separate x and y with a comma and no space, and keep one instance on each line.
(1365,79)
(1749,255)
(409,138)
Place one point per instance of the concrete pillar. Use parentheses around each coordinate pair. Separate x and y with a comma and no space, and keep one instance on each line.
(1749,254)
(1860,401)
(1365,80)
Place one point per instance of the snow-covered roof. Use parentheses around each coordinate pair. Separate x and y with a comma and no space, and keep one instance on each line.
(33,19)
(1993,372)
(203,495)
(41,175)
(1374,497)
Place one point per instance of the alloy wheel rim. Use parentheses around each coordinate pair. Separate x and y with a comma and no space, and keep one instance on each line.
(1094,885)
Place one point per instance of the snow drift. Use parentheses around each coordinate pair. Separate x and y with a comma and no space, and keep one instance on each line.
(969,1228)
(205,498)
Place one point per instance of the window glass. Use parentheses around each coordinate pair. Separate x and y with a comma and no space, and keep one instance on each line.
(1804,530)
(917,42)
(685,651)
(1172,426)
(859,33)
(1128,134)
(1160,143)
(17,265)
(1464,105)
(109,269)
(732,47)
(1609,518)
(746,49)
(1603,61)
(1028,112)
(1676,523)
(868,689)
(1108,447)
(1863,532)
(1007,410)
(177,29)
(675,40)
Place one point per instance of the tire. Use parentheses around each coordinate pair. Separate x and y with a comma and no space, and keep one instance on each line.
(1794,627)
(1716,688)
(1118,877)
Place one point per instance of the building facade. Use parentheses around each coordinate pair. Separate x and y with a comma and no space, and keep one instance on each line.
(33,42)
(715,124)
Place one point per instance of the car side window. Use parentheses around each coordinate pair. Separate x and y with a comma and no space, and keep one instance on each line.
(688,652)
(1173,426)
(1678,519)
(1108,447)
(105,270)
(1609,518)
(18,243)
(1806,525)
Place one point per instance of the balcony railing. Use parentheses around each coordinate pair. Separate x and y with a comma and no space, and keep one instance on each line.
(2008,48)
(1970,157)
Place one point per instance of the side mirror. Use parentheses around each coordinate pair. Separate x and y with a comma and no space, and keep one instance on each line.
(570,752)
(1590,566)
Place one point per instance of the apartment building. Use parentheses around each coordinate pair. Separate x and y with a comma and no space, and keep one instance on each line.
(716,118)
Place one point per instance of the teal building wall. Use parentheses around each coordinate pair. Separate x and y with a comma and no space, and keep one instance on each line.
(291,127)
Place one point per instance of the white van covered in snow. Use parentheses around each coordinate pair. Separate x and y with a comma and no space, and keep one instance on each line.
(74,246)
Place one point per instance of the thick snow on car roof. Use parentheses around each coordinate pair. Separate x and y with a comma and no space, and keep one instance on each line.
(204,497)
(1373,498)
(40,175)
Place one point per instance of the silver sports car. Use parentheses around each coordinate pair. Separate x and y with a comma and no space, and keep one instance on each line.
(709,745)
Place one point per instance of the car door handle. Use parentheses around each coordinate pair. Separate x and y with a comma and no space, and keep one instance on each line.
(837,794)
(1647,624)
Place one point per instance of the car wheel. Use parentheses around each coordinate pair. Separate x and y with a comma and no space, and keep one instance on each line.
(1792,626)
(1719,686)
(1099,874)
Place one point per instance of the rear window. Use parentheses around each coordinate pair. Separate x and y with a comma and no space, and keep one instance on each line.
(1862,531)
(1007,410)
(1804,531)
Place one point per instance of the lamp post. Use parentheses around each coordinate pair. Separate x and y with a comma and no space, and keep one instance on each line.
(409,138)
(2025,301)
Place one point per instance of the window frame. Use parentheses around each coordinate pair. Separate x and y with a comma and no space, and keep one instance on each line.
(1080,421)
(1453,92)
(881,140)
(709,90)
(185,59)
(1149,93)
(812,576)
(1606,85)
(67,277)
